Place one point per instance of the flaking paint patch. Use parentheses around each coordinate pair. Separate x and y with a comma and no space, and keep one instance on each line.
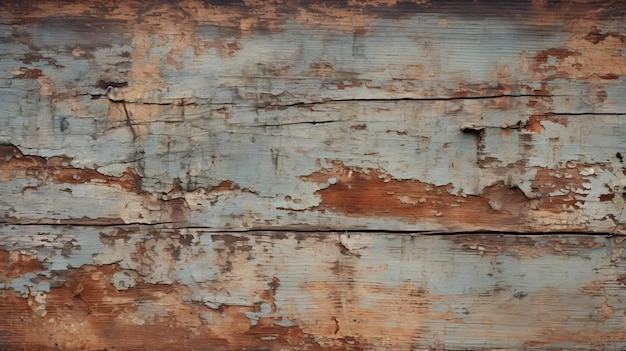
(53,253)
(205,113)
(14,264)
(258,115)
(177,204)
(367,193)
(594,56)
(333,288)
(59,170)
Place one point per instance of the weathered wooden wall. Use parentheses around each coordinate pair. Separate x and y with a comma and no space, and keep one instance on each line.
(294,175)
(145,288)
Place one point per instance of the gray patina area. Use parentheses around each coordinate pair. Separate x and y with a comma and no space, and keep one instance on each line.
(304,175)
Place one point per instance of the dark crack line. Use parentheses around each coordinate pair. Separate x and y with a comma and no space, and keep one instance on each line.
(330,232)
(129,122)
(302,103)
(616,114)
(291,123)
(177,102)
(113,99)
(69,223)
(259,104)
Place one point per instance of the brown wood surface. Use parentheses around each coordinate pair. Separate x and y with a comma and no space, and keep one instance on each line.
(146,288)
(303,175)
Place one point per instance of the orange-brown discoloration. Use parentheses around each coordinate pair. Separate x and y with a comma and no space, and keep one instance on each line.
(14,264)
(560,189)
(551,62)
(88,313)
(343,316)
(371,291)
(25,73)
(272,15)
(534,123)
(366,193)
(593,56)
(596,36)
(59,170)
(379,291)
(170,206)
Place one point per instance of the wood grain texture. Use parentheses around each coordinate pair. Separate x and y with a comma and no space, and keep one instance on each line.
(378,115)
(144,288)
(237,175)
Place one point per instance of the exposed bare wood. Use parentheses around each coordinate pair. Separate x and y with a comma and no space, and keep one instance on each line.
(139,288)
(221,115)
(138,139)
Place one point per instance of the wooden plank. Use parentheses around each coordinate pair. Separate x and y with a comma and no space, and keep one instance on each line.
(144,288)
(396,116)
(261,175)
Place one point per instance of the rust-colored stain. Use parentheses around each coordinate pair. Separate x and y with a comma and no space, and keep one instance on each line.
(214,72)
(559,189)
(594,56)
(59,170)
(172,206)
(534,122)
(346,301)
(595,36)
(367,193)
(550,63)
(25,73)
(86,312)
(272,16)
(14,264)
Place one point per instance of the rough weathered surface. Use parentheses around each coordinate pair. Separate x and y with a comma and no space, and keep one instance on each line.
(377,115)
(144,288)
(137,139)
